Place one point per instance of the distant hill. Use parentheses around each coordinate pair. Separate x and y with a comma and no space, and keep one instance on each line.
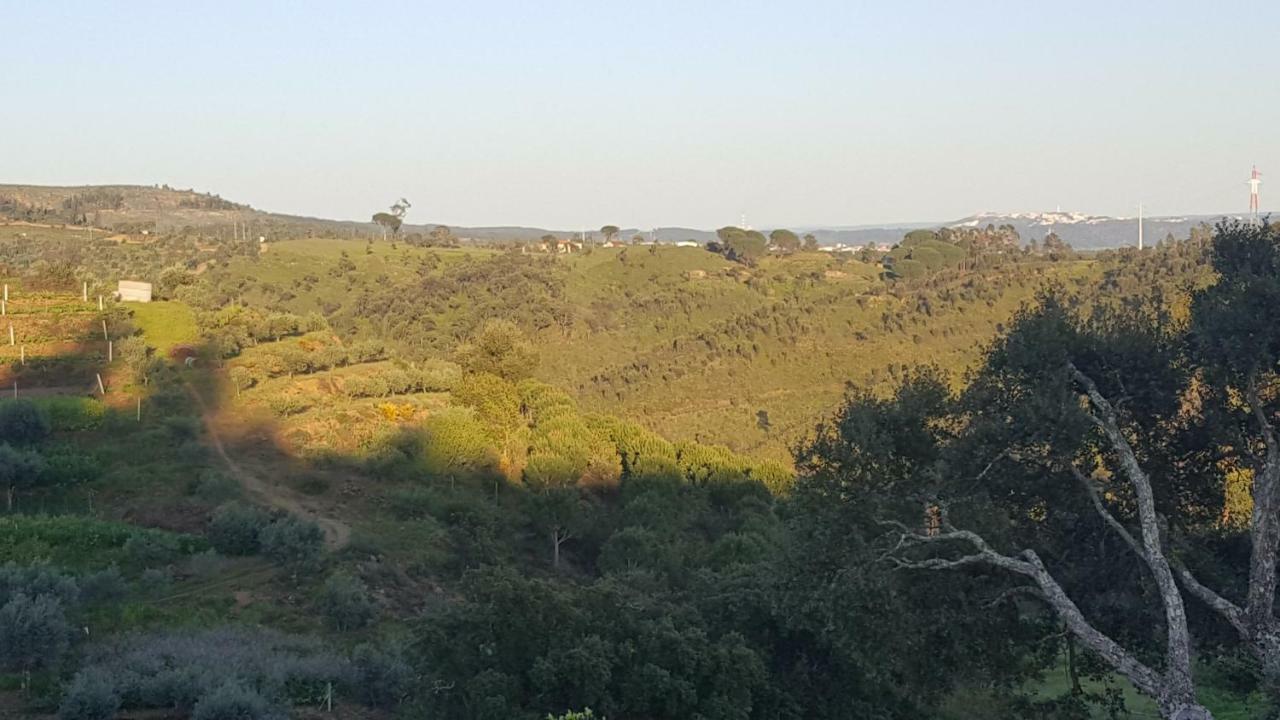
(163,208)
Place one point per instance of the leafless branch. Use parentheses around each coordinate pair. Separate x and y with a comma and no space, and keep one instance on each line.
(1110,519)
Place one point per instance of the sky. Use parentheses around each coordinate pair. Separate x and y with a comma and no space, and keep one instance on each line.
(572,115)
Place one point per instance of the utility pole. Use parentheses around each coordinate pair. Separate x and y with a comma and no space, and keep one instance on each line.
(1255,179)
(1139,226)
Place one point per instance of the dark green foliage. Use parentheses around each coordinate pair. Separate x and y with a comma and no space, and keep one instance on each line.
(90,696)
(34,632)
(381,677)
(345,602)
(744,246)
(292,540)
(235,529)
(146,551)
(19,470)
(625,652)
(498,349)
(224,671)
(74,542)
(233,701)
(22,422)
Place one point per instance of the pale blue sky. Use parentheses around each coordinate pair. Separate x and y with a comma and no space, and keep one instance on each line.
(576,114)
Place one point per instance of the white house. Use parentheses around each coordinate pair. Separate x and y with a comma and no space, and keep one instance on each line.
(134,291)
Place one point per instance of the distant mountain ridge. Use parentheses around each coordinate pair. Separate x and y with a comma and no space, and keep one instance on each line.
(165,208)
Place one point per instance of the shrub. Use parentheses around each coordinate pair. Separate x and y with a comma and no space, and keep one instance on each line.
(35,580)
(496,401)
(147,551)
(345,602)
(236,529)
(212,486)
(22,422)
(33,632)
(382,677)
(438,376)
(233,701)
(103,586)
(292,540)
(180,670)
(156,581)
(500,349)
(91,696)
(68,465)
(454,443)
(73,414)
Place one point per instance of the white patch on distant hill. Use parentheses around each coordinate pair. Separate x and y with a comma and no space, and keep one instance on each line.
(1031,218)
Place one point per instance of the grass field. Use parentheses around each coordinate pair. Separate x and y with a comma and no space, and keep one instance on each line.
(165,324)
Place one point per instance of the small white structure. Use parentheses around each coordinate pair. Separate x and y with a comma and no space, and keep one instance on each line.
(134,291)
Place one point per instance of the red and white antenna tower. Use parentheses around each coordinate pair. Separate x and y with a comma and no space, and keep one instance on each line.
(1254,181)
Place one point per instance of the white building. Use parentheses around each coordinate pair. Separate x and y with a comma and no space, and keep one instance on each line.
(134,291)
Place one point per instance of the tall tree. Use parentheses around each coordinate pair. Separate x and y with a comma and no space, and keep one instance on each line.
(784,240)
(610,232)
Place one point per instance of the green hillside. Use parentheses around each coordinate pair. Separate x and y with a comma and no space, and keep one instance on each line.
(352,471)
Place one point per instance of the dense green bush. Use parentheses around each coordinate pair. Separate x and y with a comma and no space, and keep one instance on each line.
(73,541)
(234,701)
(67,413)
(345,602)
(382,677)
(455,443)
(22,422)
(292,540)
(34,633)
(91,696)
(236,529)
(147,551)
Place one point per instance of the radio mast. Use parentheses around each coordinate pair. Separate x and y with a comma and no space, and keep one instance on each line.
(1255,179)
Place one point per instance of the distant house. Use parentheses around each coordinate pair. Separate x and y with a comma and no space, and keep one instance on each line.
(134,291)
(567,246)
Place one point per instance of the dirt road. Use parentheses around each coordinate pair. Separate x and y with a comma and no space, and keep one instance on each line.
(336,533)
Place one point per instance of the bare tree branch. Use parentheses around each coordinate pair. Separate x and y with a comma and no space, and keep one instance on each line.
(1178,648)
(1110,519)
(1028,564)
(1230,612)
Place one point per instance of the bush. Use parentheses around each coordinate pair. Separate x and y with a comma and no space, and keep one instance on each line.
(181,670)
(23,422)
(68,465)
(213,487)
(35,580)
(382,677)
(146,551)
(454,443)
(233,701)
(292,540)
(104,586)
(438,376)
(345,602)
(236,529)
(33,633)
(91,696)
(156,581)
(73,414)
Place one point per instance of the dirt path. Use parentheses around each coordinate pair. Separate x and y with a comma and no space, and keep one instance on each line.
(336,533)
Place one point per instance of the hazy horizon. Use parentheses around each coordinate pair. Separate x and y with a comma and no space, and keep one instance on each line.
(560,116)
